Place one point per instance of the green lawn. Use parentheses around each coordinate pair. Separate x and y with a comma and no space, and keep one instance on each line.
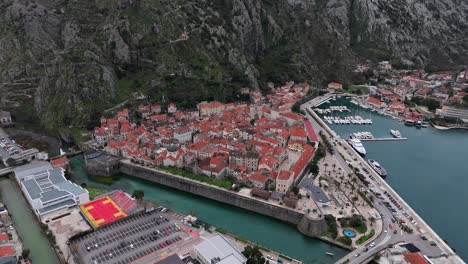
(93,192)
(364,238)
(357,89)
(212,181)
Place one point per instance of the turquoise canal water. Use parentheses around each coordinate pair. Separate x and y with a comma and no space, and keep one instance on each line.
(429,170)
(266,231)
(26,224)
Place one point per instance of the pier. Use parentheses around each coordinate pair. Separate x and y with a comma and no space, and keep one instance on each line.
(383,139)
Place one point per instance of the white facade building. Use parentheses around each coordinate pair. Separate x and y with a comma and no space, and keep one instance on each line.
(47,190)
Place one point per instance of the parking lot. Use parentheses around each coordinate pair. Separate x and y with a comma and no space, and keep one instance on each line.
(132,238)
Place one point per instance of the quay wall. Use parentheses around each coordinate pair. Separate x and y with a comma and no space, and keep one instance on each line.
(312,227)
(211,192)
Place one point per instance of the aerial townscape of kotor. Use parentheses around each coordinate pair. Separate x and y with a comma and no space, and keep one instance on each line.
(233,131)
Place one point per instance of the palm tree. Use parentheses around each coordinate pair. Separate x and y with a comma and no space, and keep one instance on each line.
(326,166)
(354,180)
(339,170)
(372,220)
(334,167)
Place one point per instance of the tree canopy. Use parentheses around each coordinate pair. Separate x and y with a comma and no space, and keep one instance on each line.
(138,194)
(253,255)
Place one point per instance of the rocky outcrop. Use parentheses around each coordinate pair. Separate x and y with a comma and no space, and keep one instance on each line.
(194,50)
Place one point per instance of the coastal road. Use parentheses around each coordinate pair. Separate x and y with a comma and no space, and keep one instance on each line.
(384,238)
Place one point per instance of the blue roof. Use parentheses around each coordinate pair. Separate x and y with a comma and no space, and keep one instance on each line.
(56,176)
(32,188)
(52,195)
(71,188)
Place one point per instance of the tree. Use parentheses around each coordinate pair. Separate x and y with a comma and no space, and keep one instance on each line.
(326,166)
(252,121)
(25,253)
(295,190)
(253,255)
(372,220)
(138,194)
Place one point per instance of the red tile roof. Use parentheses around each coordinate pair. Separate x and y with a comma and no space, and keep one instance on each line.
(415,258)
(297,132)
(374,101)
(292,115)
(4,237)
(285,175)
(210,105)
(259,178)
(310,131)
(301,163)
(59,161)
(6,251)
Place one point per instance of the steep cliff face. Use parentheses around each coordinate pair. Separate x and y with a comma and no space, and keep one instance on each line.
(77,57)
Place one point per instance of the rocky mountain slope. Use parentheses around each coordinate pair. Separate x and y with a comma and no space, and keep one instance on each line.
(71,59)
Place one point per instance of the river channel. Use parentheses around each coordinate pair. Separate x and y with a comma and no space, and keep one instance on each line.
(266,231)
(26,224)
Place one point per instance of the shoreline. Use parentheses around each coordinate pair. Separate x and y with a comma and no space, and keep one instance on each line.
(447,128)
(448,250)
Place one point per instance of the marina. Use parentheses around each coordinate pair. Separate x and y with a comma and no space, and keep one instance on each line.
(384,139)
(416,174)
(347,120)
(362,135)
(331,109)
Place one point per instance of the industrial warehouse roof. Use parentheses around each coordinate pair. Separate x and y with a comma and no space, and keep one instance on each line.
(217,247)
(47,188)
(34,167)
(172,259)
(51,208)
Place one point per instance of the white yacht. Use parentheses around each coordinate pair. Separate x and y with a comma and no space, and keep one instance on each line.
(395,133)
(357,145)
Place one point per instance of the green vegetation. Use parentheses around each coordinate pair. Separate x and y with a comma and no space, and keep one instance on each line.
(328,145)
(344,240)
(364,238)
(93,192)
(105,179)
(431,104)
(332,231)
(253,255)
(319,154)
(29,142)
(368,201)
(138,194)
(25,253)
(226,184)
(285,257)
(357,89)
(356,221)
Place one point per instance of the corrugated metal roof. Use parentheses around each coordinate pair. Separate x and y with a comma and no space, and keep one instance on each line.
(218,247)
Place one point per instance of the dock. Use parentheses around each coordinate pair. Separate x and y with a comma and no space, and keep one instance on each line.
(383,139)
